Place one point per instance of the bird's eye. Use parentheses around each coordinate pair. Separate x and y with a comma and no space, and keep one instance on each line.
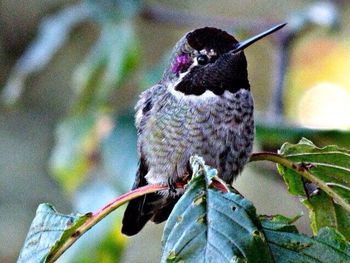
(202,59)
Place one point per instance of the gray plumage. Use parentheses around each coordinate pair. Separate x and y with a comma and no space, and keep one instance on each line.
(203,105)
(220,129)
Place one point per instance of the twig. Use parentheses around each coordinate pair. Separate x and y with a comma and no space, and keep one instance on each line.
(276,109)
(303,171)
(102,213)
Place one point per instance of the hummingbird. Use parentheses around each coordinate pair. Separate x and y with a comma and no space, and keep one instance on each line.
(202,106)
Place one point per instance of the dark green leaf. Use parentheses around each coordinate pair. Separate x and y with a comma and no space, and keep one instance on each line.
(208,225)
(290,246)
(331,165)
(48,232)
(279,223)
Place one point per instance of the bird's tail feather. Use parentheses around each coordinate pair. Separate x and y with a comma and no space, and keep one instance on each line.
(154,207)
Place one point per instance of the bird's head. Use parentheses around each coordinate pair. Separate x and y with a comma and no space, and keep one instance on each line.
(210,59)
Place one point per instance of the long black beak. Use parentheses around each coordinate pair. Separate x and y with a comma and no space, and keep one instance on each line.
(246,43)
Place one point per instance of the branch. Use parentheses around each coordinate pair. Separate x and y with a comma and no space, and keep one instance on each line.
(303,171)
(102,213)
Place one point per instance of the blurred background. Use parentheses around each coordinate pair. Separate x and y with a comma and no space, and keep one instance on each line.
(70,74)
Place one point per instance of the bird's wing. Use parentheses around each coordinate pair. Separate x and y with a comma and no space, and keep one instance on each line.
(147,207)
(145,104)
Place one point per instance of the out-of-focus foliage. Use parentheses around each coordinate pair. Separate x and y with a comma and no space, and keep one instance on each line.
(110,62)
(271,135)
(76,149)
(89,138)
(52,35)
(118,152)
(114,54)
(310,86)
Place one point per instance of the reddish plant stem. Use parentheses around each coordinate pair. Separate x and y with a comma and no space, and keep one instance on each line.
(102,213)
